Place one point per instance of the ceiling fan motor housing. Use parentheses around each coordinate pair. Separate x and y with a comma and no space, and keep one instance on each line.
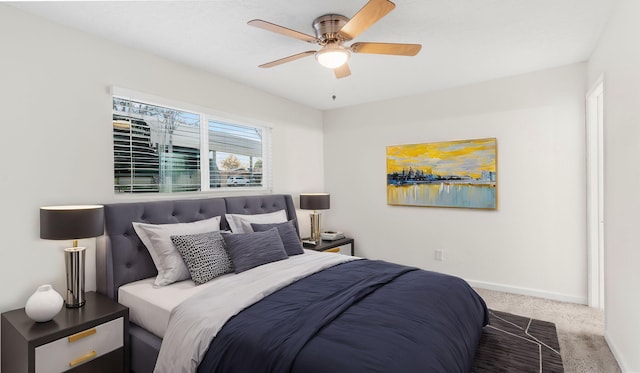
(327,27)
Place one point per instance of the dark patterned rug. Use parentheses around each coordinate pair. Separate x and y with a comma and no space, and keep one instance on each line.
(512,343)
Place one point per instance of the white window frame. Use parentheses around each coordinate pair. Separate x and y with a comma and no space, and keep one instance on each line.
(206,114)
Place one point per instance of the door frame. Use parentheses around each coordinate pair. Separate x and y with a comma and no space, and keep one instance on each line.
(595,193)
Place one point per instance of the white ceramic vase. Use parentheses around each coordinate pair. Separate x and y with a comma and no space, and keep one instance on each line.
(44,304)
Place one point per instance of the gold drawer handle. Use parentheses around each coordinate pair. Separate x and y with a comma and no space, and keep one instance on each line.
(82,359)
(78,336)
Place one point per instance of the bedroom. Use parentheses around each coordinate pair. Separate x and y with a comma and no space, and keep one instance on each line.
(65,74)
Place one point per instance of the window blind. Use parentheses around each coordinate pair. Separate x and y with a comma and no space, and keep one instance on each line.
(163,149)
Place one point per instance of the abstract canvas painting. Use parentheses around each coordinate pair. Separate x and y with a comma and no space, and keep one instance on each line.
(443,174)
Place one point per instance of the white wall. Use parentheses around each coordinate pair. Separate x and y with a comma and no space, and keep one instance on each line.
(56,146)
(534,243)
(617,58)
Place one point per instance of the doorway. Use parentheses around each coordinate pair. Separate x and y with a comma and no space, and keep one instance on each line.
(595,193)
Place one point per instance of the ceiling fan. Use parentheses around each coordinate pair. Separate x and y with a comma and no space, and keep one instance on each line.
(333,30)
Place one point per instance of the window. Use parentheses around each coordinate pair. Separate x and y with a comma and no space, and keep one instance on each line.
(235,155)
(158,148)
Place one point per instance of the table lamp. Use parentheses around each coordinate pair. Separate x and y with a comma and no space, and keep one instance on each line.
(315,202)
(72,223)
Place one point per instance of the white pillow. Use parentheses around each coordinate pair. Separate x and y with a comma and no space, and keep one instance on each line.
(242,223)
(168,261)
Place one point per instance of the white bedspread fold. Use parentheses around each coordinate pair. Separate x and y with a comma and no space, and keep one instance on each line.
(196,321)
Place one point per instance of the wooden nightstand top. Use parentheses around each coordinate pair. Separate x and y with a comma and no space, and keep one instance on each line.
(97,310)
(325,244)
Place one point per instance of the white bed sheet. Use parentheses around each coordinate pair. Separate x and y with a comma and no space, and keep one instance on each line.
(150,306)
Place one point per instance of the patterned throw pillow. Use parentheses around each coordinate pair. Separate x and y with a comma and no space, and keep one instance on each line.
(204,254)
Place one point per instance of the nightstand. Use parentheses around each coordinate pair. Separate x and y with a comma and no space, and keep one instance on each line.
(326,245)
(93,338)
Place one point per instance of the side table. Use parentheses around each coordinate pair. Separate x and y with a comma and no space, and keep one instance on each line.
(326,245)
(92,338)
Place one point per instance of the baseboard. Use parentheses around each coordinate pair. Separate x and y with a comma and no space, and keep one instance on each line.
(527,291)
(616,355)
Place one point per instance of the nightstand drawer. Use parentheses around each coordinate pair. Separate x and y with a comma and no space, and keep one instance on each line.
(73,350)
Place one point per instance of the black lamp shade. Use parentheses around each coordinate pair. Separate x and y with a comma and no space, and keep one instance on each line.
(71,222)
(314,201)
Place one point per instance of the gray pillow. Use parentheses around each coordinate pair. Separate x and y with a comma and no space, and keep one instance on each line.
(204,254)
(156,237)
(288,235)
(250,250)
(240,223)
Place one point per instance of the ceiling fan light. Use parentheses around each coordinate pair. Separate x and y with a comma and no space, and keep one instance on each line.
(332,56)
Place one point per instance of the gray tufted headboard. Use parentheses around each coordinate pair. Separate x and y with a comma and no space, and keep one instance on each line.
(122,258)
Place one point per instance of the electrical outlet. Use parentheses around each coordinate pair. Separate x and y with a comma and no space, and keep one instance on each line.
(438,255)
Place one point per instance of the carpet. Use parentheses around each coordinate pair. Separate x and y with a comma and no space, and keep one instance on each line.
(512,343)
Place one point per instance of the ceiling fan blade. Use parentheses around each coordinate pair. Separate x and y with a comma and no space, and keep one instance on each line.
(287,59)
(367,16)
(342,71)
(282,30)
(386,48)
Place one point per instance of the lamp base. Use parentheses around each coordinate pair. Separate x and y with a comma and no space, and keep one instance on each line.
(74,258)
(315,226)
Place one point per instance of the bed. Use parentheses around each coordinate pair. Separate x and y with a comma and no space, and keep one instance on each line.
(310,312)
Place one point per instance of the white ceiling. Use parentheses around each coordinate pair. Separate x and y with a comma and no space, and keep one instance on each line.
(464,41)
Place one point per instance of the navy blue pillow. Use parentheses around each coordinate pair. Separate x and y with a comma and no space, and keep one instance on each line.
(250,250)
(288,234)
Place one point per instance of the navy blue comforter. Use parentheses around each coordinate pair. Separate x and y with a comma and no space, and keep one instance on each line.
(360,316)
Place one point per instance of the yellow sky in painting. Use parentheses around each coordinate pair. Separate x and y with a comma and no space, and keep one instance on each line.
(462,158)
